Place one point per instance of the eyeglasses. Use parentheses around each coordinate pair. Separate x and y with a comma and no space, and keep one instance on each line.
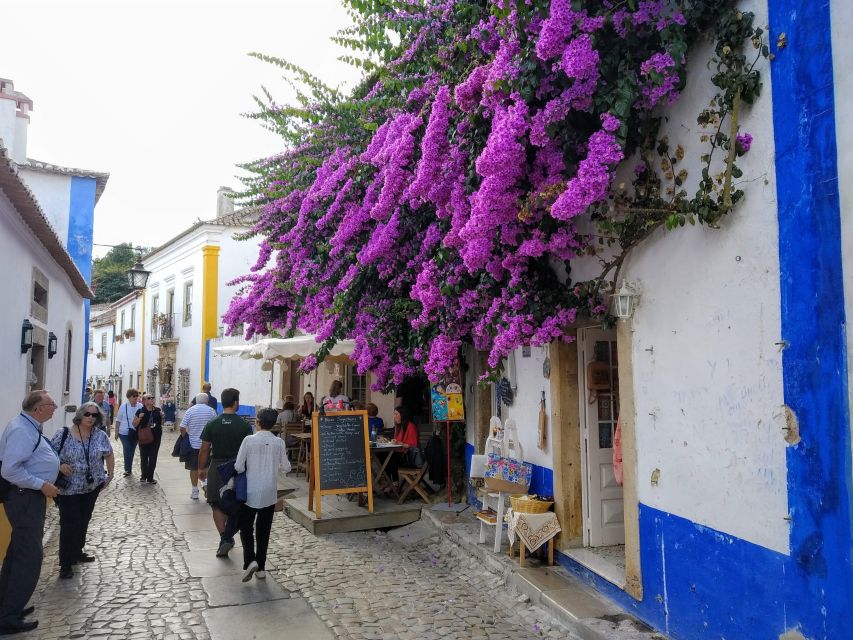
(86,414)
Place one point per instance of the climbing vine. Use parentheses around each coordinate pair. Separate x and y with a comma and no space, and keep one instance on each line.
(446,199)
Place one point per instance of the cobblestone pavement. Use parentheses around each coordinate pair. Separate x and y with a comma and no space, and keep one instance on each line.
(362,585)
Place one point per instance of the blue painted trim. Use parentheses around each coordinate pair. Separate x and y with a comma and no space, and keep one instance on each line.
(81,222)
(815,377)
(86,313)
(207,360)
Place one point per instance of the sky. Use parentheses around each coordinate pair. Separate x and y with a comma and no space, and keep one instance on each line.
(153,93)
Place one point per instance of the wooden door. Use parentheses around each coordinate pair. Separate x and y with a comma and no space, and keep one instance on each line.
(604,510)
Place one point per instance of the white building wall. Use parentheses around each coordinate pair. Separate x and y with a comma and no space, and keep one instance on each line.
(96,368)
(525,406)
(236,258)
(53,193)
(128,350)
(706,357)
(19,253)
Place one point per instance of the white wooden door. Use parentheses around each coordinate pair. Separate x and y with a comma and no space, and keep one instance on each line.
(604,510)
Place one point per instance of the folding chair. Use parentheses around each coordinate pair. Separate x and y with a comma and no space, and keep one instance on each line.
(293,449)
(414,478)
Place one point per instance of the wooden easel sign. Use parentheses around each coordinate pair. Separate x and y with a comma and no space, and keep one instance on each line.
(340,453)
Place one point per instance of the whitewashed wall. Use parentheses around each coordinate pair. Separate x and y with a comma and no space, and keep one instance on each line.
(707,366)
(842,57)
(54,196)
(525,406)
(96,368)
(128,352)
(19,253)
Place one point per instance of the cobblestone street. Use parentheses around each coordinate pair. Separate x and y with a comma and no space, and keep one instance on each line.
(156,577)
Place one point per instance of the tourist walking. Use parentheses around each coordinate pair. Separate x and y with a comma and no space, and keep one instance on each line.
(125,431)
(192,424)
(150,416)
(170,412)
(263,457)
(111,399)
(220,442)
(83,449)
(105,408)
(211,399)
(30,466)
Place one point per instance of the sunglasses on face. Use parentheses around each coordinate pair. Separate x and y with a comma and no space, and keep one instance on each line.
(86,414)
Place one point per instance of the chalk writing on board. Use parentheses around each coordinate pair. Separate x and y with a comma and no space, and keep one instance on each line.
(343,459)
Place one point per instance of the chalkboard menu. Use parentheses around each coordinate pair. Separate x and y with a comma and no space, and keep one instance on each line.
(341,453)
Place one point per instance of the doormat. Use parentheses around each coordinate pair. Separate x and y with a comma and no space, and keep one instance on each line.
(456,507)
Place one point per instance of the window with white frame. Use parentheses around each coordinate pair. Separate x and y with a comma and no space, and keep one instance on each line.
(104,343)
(132,321)
(188,303)
(91,340)
(357,384)
(121,324)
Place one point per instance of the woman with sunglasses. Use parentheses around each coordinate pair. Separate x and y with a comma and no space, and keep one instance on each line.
(125,430)
(83,449)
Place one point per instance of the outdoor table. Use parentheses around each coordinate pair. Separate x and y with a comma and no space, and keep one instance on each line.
(380,456)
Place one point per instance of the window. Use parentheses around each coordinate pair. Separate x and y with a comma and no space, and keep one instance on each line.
(155,308)
(152,382)
(188,303)
(132,319)
(91,341)
(104,343)
(38,306)
(183,393)
(357,386)
(121,323)
(139,380)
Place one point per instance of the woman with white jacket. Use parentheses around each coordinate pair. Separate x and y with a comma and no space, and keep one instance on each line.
(264,458)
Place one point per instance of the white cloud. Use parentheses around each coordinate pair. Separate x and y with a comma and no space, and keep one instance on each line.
(153,93)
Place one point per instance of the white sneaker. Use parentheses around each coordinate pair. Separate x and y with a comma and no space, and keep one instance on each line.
(194,494)
(250,571)
(260,574)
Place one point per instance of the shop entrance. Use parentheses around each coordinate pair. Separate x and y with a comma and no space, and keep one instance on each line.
(604,511)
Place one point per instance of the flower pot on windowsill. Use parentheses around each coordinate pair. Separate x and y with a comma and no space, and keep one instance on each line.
(119,338)
(128,333)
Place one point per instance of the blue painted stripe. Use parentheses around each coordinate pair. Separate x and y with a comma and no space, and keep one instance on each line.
(815,378)
(86,313)
(81,222)
(207,360)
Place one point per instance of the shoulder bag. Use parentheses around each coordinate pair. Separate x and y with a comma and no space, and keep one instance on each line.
(144,433)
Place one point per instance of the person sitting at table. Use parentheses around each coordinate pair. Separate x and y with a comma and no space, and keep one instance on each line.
(405,433)
(307,408)
(287,414)
(375,424)
(337,400)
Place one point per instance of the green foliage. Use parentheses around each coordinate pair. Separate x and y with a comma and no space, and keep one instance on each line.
(109,274)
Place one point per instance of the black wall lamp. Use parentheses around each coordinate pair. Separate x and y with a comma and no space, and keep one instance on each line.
(26,336)
(51,345)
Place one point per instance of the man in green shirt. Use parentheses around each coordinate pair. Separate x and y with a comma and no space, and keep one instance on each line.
(220,442)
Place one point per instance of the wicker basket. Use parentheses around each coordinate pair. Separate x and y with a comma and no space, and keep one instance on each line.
(520,504)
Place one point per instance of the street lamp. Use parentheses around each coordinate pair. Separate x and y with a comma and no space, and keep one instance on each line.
(51,345)
(625,300)
(137,277)
(26,335)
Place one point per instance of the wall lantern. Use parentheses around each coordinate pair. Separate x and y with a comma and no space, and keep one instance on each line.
(51,345)
(26,336)
(626,299)
(137,277)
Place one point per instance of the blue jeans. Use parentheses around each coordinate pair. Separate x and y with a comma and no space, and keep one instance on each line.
(128,446)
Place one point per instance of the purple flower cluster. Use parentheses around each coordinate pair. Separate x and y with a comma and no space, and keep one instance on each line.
(660,79)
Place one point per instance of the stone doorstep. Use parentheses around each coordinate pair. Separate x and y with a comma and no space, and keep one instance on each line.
(582,609)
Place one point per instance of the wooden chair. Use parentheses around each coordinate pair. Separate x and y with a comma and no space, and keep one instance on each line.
(293,449)
(414,478)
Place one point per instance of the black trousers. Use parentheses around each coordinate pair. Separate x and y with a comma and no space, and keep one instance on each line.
(255,549)
(75,513)
(148,455)
(22,565)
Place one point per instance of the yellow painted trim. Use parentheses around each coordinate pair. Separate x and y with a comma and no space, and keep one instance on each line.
(209,299)
(5,533)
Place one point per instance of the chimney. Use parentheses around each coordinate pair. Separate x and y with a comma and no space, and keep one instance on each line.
(224,203)
(15,110)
